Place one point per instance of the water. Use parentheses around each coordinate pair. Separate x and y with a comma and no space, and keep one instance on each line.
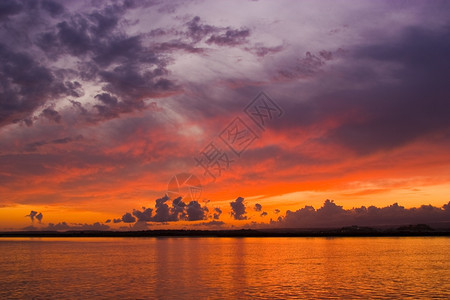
(224,268)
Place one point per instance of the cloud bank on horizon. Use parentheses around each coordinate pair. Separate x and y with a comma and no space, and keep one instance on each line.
(102,102)
(329,215)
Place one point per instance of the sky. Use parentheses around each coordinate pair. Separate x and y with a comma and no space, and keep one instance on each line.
(255,113)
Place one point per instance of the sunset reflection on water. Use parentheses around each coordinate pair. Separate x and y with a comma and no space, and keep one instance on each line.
(189,268)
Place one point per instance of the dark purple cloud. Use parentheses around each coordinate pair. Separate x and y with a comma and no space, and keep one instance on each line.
(333,215)
(128,218)
(238,209)
(163,213)
(401,96)
(196,212)
(176,211)
(143,216)
(39,217)
(213,223)
(36,83)
(54,8)
(231,37)
(32,215)
(9,8)
(415,104)
(51,115)
(197,31)
(94,38)
(217,213)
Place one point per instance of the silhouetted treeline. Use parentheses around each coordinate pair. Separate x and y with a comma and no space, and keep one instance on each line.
(350,231)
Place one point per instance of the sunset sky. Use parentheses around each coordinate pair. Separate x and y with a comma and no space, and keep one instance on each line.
(102,103)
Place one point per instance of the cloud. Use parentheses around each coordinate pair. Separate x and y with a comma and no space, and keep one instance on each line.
(9,8)
(140,225)
(51,115)
(95,40)
(221,36)
(128,218)
(178,45)
(238,209)
(32,215)
(232,37)
(63,226)
(397,111)
(263,214)
(261,50)
(163,213)
(195,211)
(31,147)
(258,207)
(39,217)
(217,213)
(143,216)
(213,223)
(26,86)
(197,31)
(52,7)
(177,211)
(333,215)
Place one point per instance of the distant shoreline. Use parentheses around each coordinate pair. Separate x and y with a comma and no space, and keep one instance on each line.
(354,231)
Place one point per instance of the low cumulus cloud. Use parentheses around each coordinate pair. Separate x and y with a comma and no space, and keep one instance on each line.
(333,215)
(195,211)
(213,223)
(168,211)
(63,226)
(128,218)
(258,207)
(143,216)
(238,209)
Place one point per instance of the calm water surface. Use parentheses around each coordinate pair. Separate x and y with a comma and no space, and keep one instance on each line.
(224,268)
